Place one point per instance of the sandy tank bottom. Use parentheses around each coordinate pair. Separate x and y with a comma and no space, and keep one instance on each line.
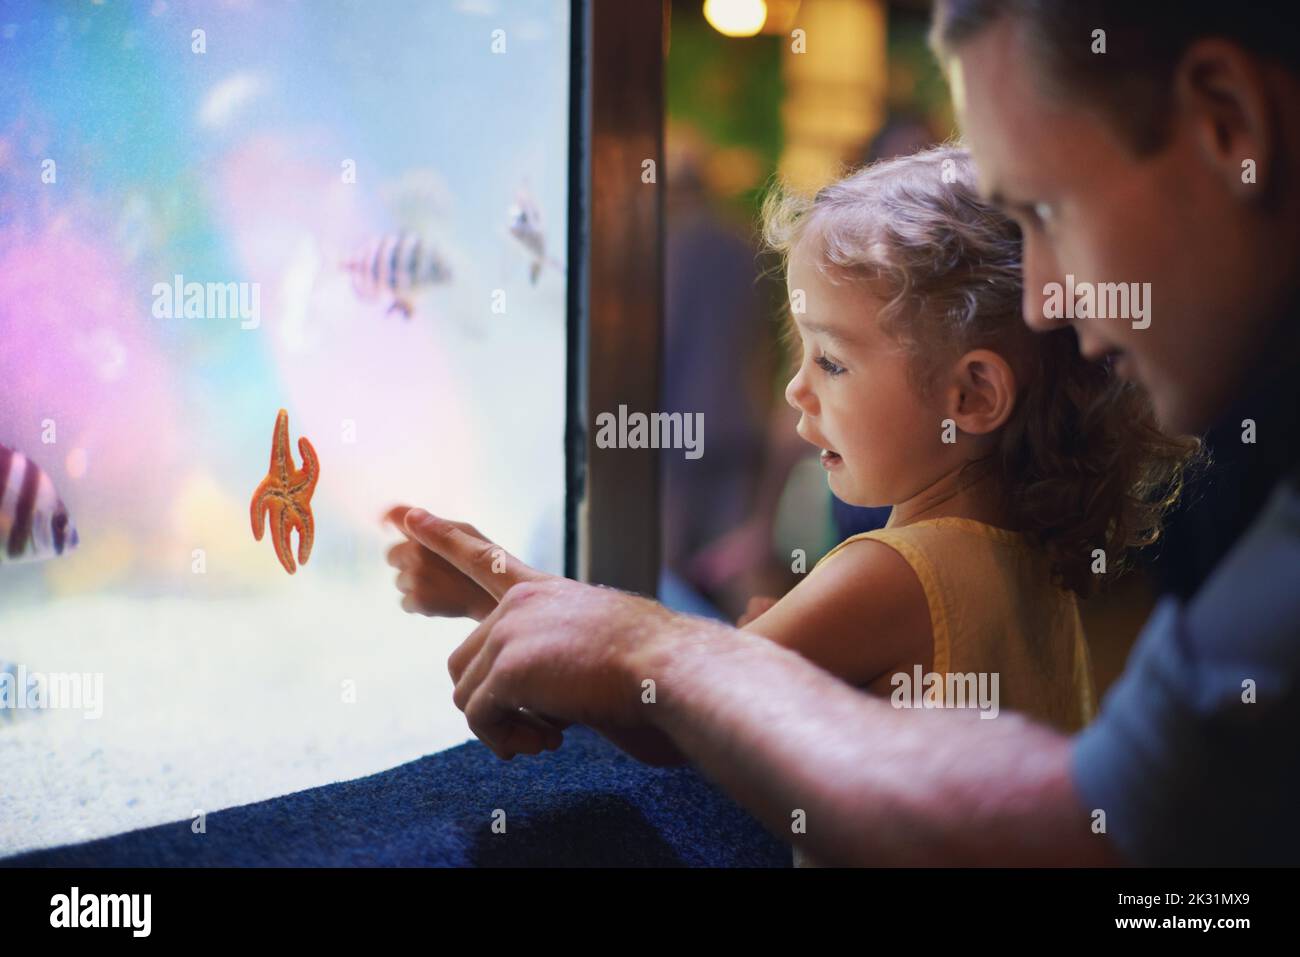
(210,704)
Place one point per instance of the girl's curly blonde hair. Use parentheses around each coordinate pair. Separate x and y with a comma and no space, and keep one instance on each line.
(1082,461)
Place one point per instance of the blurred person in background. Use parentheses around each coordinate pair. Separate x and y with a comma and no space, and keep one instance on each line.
(713,301)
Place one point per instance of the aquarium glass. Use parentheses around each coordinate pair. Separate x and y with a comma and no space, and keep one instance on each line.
(209,212)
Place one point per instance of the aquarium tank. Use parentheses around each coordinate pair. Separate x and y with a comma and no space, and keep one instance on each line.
(281,264)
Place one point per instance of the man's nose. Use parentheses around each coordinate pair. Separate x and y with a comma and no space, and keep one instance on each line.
(1032,309)
(1039,269)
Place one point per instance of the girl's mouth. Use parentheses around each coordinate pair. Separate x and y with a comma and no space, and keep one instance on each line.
(831,460)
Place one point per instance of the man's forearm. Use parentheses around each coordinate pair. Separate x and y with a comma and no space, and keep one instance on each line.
(875,784)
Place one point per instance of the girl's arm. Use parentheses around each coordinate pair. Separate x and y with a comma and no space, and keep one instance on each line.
(861,616)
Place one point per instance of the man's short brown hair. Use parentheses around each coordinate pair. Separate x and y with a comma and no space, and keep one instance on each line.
(1129,84)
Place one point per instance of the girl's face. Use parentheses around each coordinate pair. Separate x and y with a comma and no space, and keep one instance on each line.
(881,440)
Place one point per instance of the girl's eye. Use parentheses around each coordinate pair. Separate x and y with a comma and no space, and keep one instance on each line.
(829,367)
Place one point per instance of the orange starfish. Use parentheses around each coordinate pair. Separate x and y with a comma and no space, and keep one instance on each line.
(286,493)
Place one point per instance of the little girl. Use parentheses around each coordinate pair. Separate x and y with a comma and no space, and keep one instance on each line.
(1019,473)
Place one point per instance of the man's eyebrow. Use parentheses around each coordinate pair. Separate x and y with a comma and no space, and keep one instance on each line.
(1000,200)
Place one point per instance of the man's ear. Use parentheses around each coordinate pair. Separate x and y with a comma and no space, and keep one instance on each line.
(981,394)
(1224,92)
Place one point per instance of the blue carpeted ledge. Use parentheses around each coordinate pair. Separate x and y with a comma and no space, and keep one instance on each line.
(587,804)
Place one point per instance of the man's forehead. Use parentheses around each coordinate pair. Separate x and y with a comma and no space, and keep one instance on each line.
(957,83)
(1004,121)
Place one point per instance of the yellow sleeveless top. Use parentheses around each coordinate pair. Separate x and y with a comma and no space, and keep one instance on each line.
(994,608)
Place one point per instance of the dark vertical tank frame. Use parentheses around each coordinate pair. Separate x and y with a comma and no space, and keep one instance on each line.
(615,293)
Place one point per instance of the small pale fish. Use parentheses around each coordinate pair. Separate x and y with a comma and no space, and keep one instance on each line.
(34,522)
(396,265)
(526,227)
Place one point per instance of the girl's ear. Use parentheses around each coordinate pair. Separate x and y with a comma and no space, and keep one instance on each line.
(982,392)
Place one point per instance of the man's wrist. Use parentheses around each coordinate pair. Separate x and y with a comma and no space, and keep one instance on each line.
(670,650)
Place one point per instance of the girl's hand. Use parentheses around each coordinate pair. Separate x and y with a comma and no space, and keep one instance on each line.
(430,585)
(757,606)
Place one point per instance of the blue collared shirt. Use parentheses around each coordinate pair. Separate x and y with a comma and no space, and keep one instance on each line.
(1195,756)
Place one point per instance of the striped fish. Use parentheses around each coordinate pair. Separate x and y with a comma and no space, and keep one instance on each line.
(396,265)
(34,522)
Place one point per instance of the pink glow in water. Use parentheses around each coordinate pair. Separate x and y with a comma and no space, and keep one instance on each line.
(79,364)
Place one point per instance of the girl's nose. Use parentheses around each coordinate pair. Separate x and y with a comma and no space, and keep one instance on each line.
(798,394)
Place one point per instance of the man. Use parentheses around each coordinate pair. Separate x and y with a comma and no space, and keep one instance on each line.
(1164,149)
